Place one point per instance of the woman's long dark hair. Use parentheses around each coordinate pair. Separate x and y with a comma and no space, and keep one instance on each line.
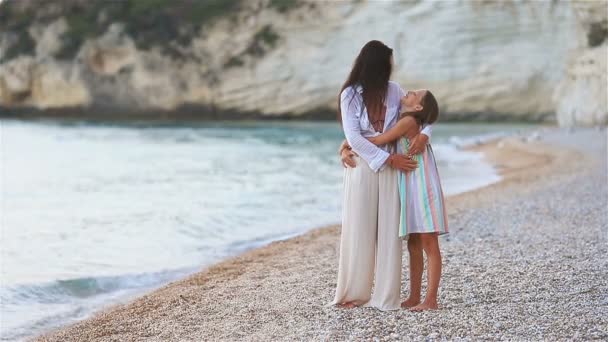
(372,70)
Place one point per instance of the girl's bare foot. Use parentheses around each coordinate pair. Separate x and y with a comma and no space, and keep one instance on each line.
(425,306)
(410,302)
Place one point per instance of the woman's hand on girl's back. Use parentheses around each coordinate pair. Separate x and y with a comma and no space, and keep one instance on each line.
(402,163)
(347,158)
(347,155)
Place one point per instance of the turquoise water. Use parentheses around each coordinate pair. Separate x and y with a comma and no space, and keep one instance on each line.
(93,214)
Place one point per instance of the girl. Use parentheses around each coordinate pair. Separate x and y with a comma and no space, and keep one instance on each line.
(423,215)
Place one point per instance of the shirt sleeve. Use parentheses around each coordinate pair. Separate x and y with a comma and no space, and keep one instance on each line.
(427,130)
(350,106)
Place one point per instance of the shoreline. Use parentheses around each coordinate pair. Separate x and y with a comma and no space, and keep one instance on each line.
(203,304)
(207,113)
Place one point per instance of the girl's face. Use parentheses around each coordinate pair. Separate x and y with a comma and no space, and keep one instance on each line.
(412,101)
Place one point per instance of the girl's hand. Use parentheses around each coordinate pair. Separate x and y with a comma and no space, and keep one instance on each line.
(373,140)
(418,144)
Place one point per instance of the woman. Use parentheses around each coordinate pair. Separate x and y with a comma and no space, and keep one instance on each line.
(369,104)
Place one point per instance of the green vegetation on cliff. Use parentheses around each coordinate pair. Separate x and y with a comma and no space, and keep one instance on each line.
(18,23)
(165,23)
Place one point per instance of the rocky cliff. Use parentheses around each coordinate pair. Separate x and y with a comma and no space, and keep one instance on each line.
(516,60)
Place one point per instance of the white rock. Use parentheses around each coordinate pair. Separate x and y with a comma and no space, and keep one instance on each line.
(16,76)
(581,96)
(48,37)
(58,86)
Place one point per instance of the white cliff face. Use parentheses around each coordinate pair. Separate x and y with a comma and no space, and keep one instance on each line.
(16,79)
(51,84)
(515,59)
(47,37)
(502,58)
(57,85)
(581,96)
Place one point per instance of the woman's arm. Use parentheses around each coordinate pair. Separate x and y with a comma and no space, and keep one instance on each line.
(350,106)
(397,131)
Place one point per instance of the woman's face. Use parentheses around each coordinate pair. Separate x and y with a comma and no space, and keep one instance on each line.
(412,100)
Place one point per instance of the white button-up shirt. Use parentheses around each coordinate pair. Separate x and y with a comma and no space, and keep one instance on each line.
(357,127)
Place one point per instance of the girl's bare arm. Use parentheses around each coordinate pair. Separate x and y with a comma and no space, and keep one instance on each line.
(400,129)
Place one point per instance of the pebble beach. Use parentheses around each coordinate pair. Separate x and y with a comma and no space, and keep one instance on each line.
(526,259)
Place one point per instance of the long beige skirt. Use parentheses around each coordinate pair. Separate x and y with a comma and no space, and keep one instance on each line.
(370,239)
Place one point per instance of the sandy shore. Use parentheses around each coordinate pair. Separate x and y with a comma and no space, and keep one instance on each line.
(526,259)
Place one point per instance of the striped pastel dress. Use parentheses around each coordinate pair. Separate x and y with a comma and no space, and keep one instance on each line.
(422,203)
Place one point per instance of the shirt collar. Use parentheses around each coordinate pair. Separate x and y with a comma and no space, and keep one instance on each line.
(359,89)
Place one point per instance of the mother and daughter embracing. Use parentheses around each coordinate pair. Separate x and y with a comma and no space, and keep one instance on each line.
(391,188)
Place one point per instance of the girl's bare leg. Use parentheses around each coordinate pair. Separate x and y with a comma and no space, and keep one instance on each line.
(414,246)
(430,244)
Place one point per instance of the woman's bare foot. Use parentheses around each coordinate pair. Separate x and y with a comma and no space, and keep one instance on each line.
(425,306)
(410,302)
(347,305)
